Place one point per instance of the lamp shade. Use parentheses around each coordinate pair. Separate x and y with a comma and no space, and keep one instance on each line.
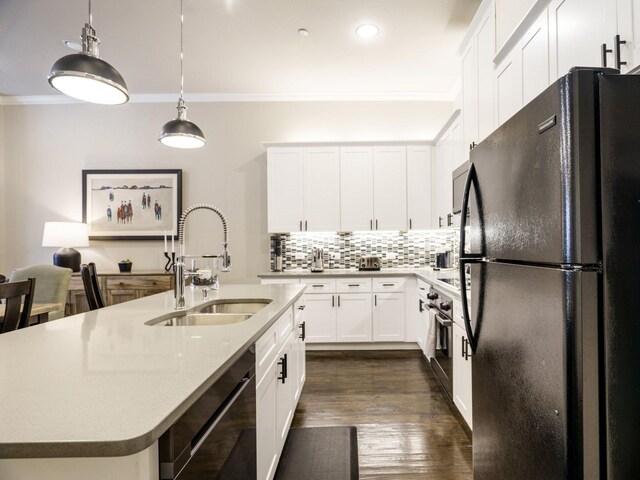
(88,78)
(181,133)
(65,234)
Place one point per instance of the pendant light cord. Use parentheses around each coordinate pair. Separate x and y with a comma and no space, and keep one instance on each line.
(181,49)
(90,16)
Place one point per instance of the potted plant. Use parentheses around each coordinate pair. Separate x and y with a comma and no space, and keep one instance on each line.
(125,265)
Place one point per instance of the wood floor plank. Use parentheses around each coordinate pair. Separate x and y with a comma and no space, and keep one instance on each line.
(406,425)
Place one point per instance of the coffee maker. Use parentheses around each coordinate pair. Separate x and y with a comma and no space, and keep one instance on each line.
(317,259)
(277,255)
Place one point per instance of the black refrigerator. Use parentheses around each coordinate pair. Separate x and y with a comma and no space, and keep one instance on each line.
(553,240)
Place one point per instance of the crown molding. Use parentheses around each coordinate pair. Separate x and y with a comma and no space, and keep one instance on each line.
(244,97)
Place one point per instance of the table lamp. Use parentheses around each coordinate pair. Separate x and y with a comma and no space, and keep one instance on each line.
(66,235)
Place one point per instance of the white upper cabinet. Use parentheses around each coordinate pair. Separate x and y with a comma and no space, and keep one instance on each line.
(624,20)
(419,187)
(577,31)
(469,99)
(477,82)
(534,52)
(508,87)
(390,188)
(509,13)
(448,156)
(321,189)
(485,50)
(284,189)
(356,188)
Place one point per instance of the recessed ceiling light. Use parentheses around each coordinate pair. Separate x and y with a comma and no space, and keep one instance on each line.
(75,46)
(367,31)
(303,32)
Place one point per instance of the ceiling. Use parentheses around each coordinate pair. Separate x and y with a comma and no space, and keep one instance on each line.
(244,46)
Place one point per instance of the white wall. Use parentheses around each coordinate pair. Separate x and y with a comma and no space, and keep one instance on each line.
(48,146)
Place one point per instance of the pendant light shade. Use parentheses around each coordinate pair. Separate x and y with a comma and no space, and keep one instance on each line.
(86,76)
(180,132)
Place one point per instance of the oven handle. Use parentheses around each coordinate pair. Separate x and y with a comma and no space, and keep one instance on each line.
(442,320)
(239,389)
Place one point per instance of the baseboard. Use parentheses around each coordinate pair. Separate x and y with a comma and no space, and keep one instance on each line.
(362,346)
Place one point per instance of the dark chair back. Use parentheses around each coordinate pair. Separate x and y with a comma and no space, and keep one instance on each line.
(2,278)
(13,293)
(91,287)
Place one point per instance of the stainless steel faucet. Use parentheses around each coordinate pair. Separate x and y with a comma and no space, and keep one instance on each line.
(179,269)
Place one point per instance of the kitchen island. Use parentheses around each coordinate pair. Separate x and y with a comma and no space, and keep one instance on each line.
(88,396)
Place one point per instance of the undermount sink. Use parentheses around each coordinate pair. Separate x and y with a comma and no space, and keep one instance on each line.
(223,312)
(202,319)
(240,306)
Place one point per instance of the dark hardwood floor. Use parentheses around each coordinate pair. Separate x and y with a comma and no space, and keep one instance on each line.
(406,427)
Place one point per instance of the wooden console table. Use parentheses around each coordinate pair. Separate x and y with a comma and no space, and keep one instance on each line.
(117,288)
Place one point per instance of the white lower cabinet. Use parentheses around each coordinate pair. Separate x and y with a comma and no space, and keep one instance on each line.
(266,430)
(354,317)
(280,375)
(388,317)
(284,393)
(462,373)
(320,317)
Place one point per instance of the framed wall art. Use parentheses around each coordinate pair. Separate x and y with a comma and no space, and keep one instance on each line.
(131,204)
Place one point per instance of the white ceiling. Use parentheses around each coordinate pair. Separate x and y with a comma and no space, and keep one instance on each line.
(244,46)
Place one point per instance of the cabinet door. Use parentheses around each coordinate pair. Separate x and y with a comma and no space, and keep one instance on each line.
(284,189)
(421,328)
(577,30)
(508,87)
(534,52)
(300,362)
(266,445)
(419,187)
(320,315)
(354,317)
(115,296)
(356,189)
(461,374)
(469,99)
(284,393)
(388,317)
(485,50)
(628,27)
(390,188)
(437,192)
(321,189)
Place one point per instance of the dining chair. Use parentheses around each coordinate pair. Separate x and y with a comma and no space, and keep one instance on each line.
(18,298)
(53,284)
(91,287)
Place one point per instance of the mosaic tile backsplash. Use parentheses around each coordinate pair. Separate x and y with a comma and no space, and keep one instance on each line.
(342,250)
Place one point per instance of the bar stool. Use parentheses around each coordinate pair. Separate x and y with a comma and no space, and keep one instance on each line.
(17,311)
(91,287)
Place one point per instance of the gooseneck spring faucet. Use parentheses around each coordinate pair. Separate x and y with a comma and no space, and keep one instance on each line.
(180,268)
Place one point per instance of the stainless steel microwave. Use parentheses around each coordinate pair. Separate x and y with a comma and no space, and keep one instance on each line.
(459,177)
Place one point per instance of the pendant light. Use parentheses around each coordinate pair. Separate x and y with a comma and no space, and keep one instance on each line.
(180,132)
(86,76)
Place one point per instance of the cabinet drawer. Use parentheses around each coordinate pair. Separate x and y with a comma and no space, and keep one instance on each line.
(158,283)
(319,285)
(269,344)
(298,311)
(423,287)
(390,284)
(354,285)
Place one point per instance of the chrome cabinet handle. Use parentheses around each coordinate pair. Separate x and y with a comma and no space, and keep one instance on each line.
(338,300)
(333,300)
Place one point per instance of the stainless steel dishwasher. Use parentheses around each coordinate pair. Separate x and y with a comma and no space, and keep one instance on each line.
(216,437)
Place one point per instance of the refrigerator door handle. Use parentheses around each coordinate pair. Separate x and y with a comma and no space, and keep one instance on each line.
(464,258)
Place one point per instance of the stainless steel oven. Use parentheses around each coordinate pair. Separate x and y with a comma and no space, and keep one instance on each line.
(442,362)
(216,437)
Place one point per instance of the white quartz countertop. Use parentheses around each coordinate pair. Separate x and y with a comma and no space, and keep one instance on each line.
(103,383)
(427,274)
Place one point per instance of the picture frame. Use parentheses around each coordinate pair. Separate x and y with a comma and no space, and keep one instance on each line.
(113,206)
